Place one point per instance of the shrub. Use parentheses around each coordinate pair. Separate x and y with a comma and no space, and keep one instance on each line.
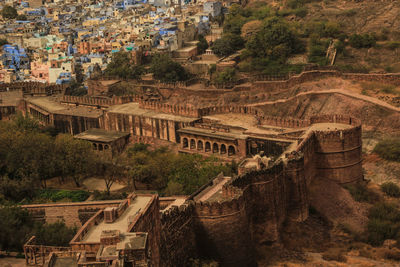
(389,149)
(383,223)
(361,193)
(365,40)
(391,189)
(57,195)
(102,195)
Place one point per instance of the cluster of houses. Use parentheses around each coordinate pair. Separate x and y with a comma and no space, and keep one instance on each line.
(57,35)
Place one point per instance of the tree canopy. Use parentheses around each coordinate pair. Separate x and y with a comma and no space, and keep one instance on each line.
(167,70)
(122,66)
(9,12)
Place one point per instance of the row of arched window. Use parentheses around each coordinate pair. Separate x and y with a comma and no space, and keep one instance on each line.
(100,147)
(208,146)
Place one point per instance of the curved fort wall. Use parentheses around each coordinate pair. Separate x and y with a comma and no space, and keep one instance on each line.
(263,200)
(339,152)
(223,233)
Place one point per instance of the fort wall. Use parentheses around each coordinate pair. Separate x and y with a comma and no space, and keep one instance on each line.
(33,88)
(223,233)
(73,214)
(178,240)
(148,220)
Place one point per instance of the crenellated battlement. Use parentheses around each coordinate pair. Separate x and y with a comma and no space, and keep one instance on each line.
(97,101)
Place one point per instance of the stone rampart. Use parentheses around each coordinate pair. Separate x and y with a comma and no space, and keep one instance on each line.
(170,108)
(223,232)
(178,240)
(33,88)
(73,214)
(98,102)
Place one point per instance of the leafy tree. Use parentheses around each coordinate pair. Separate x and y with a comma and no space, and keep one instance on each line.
(75,157)
(21,17)
(54,234)
(227,44)
(9,12)
(362,40)
(226,76)
(3,42)
(202,45)
(122,66)
(111,169)
(167,70)
(16,225)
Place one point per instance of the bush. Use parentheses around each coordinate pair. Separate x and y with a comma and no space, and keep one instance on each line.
(361,193)
(57,195)
(389,149)
(391,189)
(102,195)
(383,223)
(365,40)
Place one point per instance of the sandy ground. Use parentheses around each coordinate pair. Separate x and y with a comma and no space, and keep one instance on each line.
(92,184)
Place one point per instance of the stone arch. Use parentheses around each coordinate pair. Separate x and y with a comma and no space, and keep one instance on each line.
(199,145)
(192,144)
(100,147)
(231,150)
(94,146)
(105,147)
(215,148)
(185,143)
(207,146)
(223,149)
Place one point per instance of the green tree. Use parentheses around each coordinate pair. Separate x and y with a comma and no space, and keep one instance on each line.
(111,169)
(122,66)
(9,12)
(3,42)
(202,45)
(167,70)
(228,44)
(21,17)
(54,234)
(75,158)
(16,225)
(226,76)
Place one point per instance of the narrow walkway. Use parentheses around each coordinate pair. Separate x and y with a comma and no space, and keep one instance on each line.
(214,189)
(332,91)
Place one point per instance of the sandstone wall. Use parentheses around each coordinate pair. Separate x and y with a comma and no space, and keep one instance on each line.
(178,240)
(223,233)
(149,221)
(73,214)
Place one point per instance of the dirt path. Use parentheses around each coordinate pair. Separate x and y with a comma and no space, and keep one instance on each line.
(332,91)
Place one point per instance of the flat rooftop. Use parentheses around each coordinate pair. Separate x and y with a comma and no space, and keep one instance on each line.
(134,109)
(330,126)
(52,105)
(246,121)
(231,136)
(100,135)
(121,223)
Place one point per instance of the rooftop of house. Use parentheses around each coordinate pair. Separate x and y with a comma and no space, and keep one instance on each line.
(100,135)
(52,105)
(231,136)
(134,109)
(121,223)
